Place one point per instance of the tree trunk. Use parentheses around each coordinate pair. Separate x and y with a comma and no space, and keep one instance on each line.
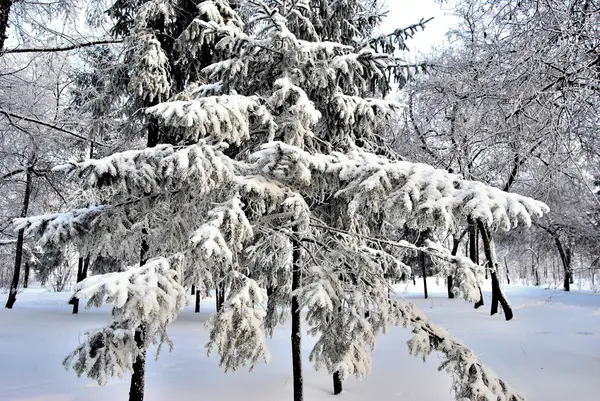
(497,294)
(450,278)
(535,270)
(450,284)
(424,275)
(296,335)
(197,306)
(506,267)
(568,252)
(26,275)
(12,295)
(5,6)
(422,236)
(193,291)
(474,254)
(220,296)
(82,270)
(337,383)
(566,261)
(136,389)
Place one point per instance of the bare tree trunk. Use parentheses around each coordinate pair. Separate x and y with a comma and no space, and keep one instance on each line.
(450,278)
(497,294)
(422,236)
(450,285)
(12,295)
(568,252)
(82,270)
(337,383)
(26,275)
(474,254)
(220,296)
(5,6)
(424,275)
(138,377)
(535,267)
(566,261)
(197,306)
(193,290)
(296,335)
(506,267)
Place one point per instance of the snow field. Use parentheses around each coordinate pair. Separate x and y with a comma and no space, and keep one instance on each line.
(550,351)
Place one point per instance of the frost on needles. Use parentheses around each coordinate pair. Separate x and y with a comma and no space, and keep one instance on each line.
(280,167)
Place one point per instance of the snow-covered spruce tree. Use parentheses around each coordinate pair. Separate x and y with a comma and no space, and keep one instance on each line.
(268,170)
(150,67)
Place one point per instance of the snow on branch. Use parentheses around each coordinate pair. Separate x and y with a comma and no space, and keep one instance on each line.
(296,114)
(150,292)
(471,379)
(215,21)
(156,169)
(360,117)
(412,194)
(147,296)
(237,332)
(361,67)
(319,67)
(468,274)
(226,118)
(225,232)
(346,301)
(60,228)
(150,79)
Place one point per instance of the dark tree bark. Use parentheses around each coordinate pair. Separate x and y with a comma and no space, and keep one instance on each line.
(450,278)
(197,306)
(26,275)
(193,291)
(568,252)
(424,269)
(136,388)
(5,6)
(12,295)
(220,296)
(450,285)
(566,261)
(474,254)
(506,267)
(82,270)
(296,335)
(534,268)
(497,295)
(422,237)
(138,378)
(337,383)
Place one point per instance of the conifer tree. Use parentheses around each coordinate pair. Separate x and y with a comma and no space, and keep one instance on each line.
(273,177)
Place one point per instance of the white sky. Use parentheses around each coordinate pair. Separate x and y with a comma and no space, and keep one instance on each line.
(403,13)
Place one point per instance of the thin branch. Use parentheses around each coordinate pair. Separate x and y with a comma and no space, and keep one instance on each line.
(13,173)
(55,189)
(54,127)
(62,49)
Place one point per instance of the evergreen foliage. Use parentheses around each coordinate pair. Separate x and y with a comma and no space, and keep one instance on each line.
(273,180)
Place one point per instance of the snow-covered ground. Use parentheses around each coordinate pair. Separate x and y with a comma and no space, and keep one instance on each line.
(550,352)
